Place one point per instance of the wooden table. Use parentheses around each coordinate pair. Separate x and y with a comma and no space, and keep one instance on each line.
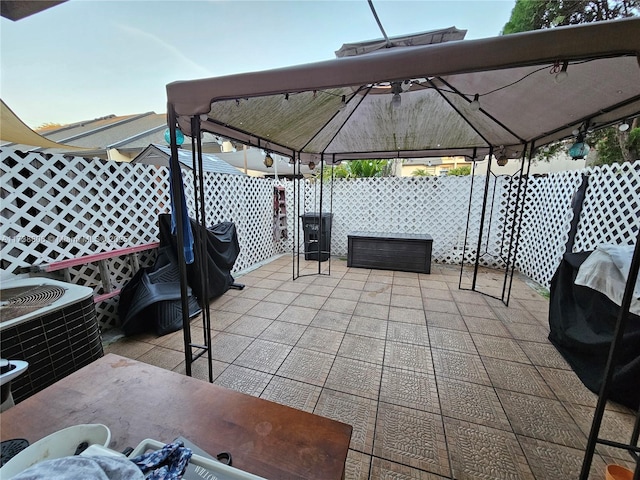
(137,401)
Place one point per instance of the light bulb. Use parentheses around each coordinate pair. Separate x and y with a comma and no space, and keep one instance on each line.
(475,105)
(405,86)
(623,127)
(562,75)
(343,102)
(502,160)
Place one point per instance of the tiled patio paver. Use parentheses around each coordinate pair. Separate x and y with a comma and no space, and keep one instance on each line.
(437,382)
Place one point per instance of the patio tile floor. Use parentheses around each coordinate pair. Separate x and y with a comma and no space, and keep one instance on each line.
(437,382)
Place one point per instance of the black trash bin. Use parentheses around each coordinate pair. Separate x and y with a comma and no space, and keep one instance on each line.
(317,235)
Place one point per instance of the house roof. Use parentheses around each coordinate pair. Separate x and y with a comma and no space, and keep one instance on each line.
(130,135)
(14,131)
(342,108)
(160,155)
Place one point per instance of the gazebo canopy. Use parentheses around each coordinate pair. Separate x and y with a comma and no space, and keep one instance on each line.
(530,88)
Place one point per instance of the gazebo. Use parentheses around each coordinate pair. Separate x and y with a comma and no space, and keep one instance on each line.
(502,97)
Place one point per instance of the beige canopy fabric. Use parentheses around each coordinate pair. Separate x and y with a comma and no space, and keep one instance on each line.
(13,130)
(343,109)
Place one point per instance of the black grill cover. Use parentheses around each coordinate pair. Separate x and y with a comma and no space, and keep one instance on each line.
(582,324)
(222,250)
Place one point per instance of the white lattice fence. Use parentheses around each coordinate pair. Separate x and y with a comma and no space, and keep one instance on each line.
(545,226)
(57,207)
(245,201)
(611,210)
(610,214)
(433,205)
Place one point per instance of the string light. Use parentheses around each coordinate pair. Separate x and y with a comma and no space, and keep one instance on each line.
(343,102)
(396,100)
(475,104)
(562,75)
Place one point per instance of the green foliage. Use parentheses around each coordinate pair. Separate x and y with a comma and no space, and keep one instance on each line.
(360,169)
(611,145)
(420,172)
(536,14)
(525,16)
(633,143)
(607,143)
(460,171)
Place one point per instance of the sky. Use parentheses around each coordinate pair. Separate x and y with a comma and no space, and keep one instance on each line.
(86,59)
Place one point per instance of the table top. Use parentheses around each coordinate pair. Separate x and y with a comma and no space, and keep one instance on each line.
(137,401)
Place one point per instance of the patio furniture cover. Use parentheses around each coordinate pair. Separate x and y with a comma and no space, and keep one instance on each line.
(582,323)
(222,248)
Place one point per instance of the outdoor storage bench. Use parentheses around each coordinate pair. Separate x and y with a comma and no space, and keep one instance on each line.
(407,252)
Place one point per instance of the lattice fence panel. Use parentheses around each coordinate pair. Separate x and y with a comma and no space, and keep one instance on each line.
(545,225)
(433,205)
(611,210)
(56,207)
(245,201)
(610,213)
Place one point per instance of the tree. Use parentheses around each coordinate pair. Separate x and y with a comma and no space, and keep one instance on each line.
(361,169)
(535,14)
(421,172)
(611,144)
(460,171)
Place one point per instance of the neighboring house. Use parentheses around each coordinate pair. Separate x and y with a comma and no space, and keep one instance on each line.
(123,138)
(433,166)
(160,155)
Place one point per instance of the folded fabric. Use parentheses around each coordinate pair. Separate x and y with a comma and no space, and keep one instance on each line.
(606,271)
(79,467)
(169,463)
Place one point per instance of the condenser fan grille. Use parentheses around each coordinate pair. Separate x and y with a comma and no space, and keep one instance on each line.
(15,302)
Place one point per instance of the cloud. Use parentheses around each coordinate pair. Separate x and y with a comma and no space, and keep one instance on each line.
(198,70)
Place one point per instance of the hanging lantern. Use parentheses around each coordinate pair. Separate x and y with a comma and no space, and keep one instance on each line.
(502,160)
(268,160)
(312,165)
(179,136)
(579,150)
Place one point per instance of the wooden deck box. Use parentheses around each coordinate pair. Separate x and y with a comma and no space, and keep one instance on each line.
(406,252)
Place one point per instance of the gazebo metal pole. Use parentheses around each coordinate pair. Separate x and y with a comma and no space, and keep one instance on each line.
(621,323)
(493,201)
(466,232)
(176,177)
(484,211)
(296,247)
(320,222)
(204,272)
(519,219)
(333,163)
